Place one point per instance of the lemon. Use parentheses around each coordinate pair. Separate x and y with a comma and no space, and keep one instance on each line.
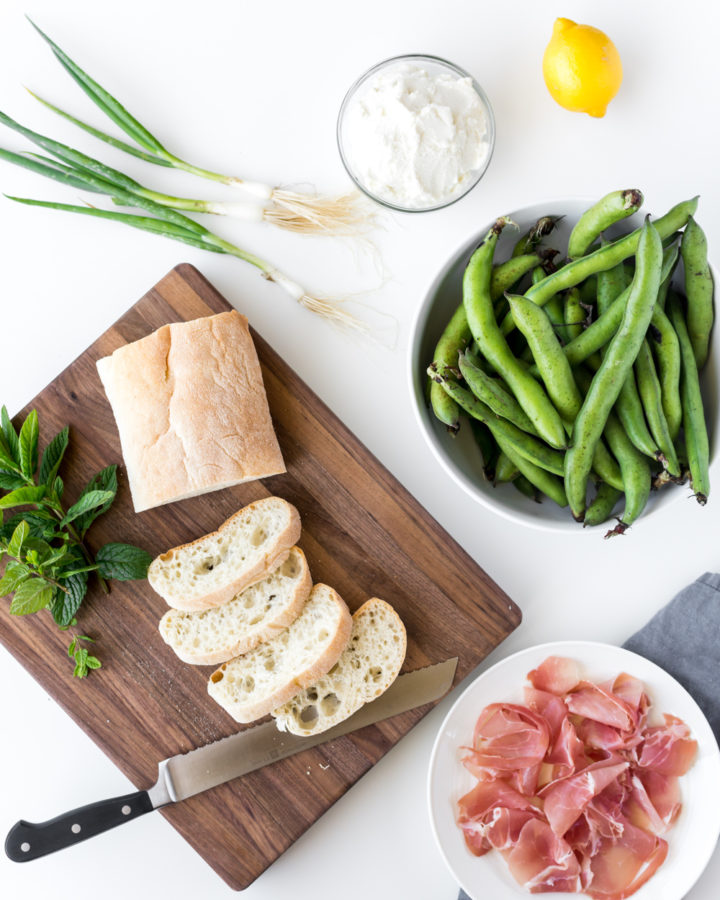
(582,68)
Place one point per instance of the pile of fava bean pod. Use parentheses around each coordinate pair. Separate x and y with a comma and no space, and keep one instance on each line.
(580,380)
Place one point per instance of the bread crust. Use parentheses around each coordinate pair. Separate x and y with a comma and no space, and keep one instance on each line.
(288,615)
(191,410)
(273,558)
(250,712)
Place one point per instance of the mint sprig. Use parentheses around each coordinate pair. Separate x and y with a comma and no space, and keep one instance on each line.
(48,564)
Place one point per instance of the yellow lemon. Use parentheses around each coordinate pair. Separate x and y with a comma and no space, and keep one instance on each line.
(582,68)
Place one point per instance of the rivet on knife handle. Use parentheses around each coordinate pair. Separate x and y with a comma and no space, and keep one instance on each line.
(29,840)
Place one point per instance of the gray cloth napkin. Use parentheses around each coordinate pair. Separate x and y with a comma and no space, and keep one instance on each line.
(684,639)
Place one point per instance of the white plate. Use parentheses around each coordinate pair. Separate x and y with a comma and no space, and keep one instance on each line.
(691,841)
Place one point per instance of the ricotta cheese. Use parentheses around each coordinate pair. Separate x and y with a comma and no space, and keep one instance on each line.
(415,138)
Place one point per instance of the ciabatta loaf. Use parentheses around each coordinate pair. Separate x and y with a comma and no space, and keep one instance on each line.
(249,686)
(366,668)
(257,614)
(215,568)
(191,410)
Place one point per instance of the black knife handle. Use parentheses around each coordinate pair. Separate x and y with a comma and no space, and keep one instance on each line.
(29,840)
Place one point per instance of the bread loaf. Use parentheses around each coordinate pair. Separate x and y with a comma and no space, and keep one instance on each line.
(191,410)
(257,614)
(215,568)
(367,667)
(249,686)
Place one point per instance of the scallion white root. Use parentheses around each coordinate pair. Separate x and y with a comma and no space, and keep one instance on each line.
(346,214)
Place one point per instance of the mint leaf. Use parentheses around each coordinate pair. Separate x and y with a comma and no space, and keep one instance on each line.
(93,662)
(81,668)
(52,457)
(122,562)
(32,595)
(65,605)
(42,524)
(7,456)
(9,480)
(58,487)
(87,502)
(106,480)
(29,434)
(10,435)
(17,540)
(15,574)
(22,496)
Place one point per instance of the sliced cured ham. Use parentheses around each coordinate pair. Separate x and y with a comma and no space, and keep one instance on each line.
(556,675)
(668,749)
(593,701)
(542,862)
(567,798)
(574,788)
(508,737)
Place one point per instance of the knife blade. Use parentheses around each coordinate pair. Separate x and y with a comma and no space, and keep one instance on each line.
(187,774)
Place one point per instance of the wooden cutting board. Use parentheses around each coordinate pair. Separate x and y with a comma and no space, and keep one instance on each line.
(362,533)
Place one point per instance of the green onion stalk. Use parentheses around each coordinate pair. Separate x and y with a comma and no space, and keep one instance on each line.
(80,171)
(302,213)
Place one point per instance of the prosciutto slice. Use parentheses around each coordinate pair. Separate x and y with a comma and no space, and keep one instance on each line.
(574,789)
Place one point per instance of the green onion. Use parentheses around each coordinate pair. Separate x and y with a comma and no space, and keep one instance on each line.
(304,213)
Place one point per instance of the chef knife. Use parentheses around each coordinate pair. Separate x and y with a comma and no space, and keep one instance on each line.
(206,767)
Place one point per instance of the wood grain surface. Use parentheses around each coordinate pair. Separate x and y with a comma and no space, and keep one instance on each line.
(362,533)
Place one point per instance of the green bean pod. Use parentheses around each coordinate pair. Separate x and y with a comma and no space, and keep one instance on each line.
(542,479)
(453,339)
(525,444)
(610,284)
(554,309)
(698,289)
(630,411)
(527,488)
(602,505)
(488,447)
(667,357)
(532,238)
(600,332)
(696,436)
(506,274)
(604,258)
(637,477)
(552,363)
(493,394)
(611,208)
(575,315)
(505,470)
(651,395)
(616,365)
(558,376)
(479,310)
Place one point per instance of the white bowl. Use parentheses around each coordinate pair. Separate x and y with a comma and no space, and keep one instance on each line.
(459,456)
(691,841)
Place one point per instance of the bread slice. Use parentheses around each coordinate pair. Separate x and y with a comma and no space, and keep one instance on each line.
(257,614)
(215,568)
(249,686)
(366,669)
(191,410)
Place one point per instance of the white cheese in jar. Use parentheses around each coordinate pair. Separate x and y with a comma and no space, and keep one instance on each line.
(415,138)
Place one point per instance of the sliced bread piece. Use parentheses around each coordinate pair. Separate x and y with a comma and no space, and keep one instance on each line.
(249,686)
(216,635)
(366,668)
(215,568)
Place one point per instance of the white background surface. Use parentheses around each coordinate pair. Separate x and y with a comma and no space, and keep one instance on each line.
(254,88)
